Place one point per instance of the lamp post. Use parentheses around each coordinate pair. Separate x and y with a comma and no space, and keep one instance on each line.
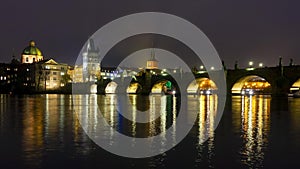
(261,65)
(251,63)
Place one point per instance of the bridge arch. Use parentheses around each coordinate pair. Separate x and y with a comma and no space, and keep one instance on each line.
(163,86)
(134,88)
(93,89)
(295,86)
(111,87)
(251,84)
(199,85)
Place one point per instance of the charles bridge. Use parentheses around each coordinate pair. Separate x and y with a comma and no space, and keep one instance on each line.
(280,78)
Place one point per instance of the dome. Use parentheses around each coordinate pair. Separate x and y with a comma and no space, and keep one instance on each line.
(32,49)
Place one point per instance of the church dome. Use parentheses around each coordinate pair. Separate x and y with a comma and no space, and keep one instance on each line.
(32,50)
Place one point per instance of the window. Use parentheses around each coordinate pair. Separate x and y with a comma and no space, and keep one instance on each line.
(54,78)
(27,60)
(33,59)
(54,73)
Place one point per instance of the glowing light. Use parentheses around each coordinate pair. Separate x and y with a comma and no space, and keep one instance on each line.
(261,65)
(251,63)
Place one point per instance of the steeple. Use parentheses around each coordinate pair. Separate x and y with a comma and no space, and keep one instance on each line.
(91,46)
(152,57)
(152,63)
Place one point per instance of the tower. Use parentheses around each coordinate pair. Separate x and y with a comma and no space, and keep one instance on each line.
(152,63)
(91,62)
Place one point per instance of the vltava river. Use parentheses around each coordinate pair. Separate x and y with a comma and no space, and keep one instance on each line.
(43,131)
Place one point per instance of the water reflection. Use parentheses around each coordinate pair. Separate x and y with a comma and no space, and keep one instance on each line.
(108,106)
(44,123)
(48,131)
(254,113)
(206,107)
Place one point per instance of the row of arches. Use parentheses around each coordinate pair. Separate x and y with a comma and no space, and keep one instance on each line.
(247,85)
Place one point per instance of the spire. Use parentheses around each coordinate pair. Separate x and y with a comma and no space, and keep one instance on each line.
(152,54)
(152,57)
(91,45)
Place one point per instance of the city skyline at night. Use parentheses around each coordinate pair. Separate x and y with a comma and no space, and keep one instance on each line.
(261,31)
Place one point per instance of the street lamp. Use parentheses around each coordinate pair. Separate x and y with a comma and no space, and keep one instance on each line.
(251,63)
(201,67)
(261,65)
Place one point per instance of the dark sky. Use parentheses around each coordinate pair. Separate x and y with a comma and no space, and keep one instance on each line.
(240,30)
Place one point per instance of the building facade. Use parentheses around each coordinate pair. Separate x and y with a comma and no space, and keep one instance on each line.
(50,75)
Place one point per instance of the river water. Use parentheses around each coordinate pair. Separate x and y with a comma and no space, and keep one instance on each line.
(43,131)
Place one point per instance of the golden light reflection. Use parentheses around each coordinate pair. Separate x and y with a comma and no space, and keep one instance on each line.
(33,129)
(207,114)
(255,125)
(206,109)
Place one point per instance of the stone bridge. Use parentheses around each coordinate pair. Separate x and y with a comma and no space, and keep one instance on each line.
(281,80)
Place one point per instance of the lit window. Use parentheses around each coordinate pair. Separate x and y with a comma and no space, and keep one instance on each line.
(27,70)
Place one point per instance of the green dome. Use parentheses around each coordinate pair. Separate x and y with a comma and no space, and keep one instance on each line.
(32,50)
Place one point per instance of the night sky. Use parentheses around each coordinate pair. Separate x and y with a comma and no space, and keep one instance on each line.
(240,30)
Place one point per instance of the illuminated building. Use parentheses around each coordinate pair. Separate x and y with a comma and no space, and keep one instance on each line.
(152,63)
(78,74)
(91,62)
(31,54)
(50,75)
